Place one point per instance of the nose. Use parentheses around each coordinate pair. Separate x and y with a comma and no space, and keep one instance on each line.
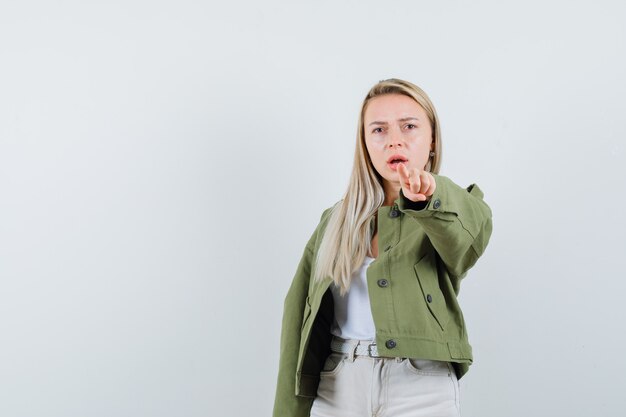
(394,138)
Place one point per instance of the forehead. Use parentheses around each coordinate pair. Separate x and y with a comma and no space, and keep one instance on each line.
(389,107)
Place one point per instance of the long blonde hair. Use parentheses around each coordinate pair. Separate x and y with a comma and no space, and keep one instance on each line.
(351,222)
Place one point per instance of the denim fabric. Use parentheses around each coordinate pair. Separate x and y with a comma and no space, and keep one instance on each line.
(362,386)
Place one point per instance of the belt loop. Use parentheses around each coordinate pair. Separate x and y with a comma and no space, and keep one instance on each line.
(352,350)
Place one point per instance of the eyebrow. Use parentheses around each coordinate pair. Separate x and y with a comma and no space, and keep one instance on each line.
(404,119)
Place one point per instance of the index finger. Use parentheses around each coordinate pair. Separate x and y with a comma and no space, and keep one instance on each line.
(404,172)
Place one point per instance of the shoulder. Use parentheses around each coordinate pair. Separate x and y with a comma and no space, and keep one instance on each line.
(322,223)
(329,210)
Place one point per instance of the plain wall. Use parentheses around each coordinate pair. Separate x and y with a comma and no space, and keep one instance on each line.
(162,165)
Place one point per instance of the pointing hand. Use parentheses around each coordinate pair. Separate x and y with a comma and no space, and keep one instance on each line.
(417,185)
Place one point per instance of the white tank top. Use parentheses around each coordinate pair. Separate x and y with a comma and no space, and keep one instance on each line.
(353,314)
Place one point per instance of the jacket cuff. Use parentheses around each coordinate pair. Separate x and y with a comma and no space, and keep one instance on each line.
(425,208)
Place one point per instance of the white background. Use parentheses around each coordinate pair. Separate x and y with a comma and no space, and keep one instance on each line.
(163,163)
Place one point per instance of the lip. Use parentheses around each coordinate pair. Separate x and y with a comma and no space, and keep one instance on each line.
(394,167)
(397,156)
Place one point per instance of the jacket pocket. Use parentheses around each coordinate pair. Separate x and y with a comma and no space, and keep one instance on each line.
(446,216)
(426,271)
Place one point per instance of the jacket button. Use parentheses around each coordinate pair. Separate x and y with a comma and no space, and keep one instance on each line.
(437,203)
(383,283)
(390,344)
(394,213)
(387,248)
(429,298)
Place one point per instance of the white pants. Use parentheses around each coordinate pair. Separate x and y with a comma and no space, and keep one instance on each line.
(363,386)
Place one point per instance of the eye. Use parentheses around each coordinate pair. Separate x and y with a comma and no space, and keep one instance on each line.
(376,130)
(410,125)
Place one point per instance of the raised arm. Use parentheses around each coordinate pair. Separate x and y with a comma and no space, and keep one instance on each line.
(456,220)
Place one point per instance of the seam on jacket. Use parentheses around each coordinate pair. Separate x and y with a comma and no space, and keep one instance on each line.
(465,228)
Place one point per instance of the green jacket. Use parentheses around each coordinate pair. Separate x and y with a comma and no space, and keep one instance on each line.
(425,249)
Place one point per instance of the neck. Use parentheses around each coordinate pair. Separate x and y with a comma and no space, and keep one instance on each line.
(392,192)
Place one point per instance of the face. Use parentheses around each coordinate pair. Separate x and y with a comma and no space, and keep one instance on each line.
(395,124)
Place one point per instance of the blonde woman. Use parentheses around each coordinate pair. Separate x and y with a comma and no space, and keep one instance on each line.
(371,324)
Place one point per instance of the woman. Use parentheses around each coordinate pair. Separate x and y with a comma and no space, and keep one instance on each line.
(371,324)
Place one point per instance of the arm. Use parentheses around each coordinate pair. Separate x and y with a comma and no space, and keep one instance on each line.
(456,220)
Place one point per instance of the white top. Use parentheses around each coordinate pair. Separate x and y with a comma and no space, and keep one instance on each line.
(353,314)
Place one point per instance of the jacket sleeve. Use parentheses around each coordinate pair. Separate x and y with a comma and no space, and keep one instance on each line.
(286,403)
(456,220)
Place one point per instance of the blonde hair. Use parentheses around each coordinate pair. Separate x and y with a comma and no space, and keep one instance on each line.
(351,222)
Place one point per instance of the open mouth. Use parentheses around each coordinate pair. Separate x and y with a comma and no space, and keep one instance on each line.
(394,160)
